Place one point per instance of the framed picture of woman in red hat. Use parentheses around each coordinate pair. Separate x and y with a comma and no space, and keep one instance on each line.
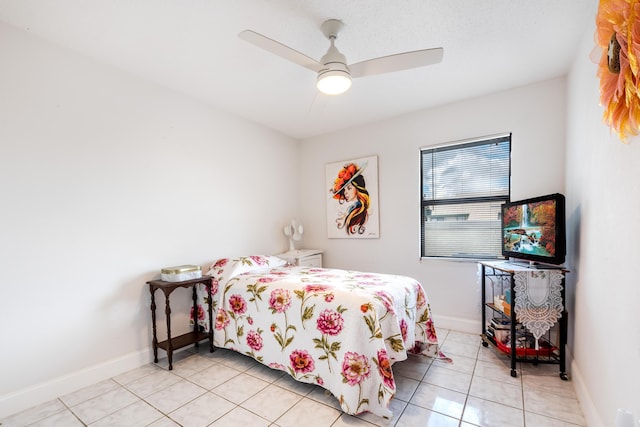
(352,199)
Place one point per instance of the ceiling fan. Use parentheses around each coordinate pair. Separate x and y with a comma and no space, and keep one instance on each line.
(334,75)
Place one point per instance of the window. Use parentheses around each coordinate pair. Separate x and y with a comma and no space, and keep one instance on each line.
(463,186)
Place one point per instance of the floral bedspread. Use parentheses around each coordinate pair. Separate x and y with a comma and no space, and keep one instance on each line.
(339,329)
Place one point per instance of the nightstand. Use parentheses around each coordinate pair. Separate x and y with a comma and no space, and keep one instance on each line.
(303,257)
(174,343)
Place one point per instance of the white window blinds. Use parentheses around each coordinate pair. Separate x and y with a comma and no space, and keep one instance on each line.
(463,187)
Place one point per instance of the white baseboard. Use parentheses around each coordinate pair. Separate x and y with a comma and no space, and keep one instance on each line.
(458,324)
(584,397)
(20,400)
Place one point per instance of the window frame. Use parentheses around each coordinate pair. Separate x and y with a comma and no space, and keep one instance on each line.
(425,203)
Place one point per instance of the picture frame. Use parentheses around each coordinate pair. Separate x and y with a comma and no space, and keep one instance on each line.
(352,199)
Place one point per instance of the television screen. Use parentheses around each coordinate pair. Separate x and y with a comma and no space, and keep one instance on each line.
(534,229)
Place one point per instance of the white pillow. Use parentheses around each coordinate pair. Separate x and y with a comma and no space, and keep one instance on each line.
(226,268)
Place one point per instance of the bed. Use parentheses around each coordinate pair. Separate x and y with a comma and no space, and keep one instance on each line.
(342,330)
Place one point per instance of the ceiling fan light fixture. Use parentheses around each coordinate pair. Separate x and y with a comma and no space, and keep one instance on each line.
(333,82)
(333,74)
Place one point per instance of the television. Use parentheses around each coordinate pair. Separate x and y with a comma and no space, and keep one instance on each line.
(534,230)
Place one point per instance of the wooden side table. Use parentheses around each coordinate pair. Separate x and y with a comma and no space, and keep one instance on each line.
(174,343)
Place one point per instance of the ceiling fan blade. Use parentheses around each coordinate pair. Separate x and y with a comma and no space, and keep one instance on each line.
(397,62)
(279,49)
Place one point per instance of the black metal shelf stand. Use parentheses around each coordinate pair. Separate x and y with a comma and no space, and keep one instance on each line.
(496,277)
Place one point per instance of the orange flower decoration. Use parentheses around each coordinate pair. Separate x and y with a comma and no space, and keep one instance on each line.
(618,35)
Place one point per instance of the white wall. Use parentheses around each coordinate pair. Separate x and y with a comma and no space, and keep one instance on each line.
(603,197)
(104,180)
(536,116)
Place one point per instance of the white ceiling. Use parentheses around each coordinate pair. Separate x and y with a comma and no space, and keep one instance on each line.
(192,46)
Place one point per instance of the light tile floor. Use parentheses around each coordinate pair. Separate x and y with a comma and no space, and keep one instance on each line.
(223,389)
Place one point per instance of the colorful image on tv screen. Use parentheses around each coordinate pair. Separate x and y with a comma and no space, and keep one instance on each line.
(530,228)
